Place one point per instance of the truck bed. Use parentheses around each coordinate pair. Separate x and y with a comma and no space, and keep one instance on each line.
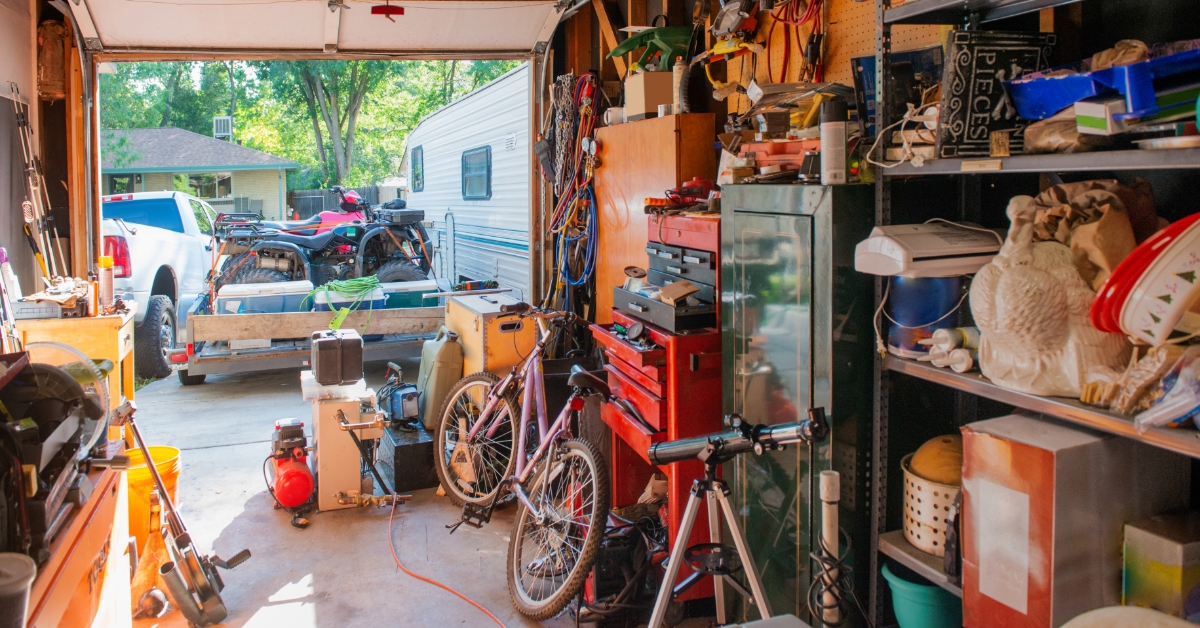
(403,332)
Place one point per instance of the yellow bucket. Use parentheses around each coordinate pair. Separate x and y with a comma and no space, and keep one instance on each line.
(141,484)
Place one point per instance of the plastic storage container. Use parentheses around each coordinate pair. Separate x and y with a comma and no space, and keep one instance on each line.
(263,298)
(409,293)
(141,484)
(917,307)
(923,605)
(441,368)
(335,301)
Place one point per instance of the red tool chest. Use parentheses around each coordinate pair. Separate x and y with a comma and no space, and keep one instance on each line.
(676,387)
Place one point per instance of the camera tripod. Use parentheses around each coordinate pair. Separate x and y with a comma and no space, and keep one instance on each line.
(714,558)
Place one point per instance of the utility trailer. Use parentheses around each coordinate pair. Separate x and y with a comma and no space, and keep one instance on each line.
(241,343)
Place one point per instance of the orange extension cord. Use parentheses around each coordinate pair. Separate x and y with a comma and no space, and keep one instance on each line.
(392,544)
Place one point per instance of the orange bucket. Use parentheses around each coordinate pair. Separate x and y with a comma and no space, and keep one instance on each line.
(141,485)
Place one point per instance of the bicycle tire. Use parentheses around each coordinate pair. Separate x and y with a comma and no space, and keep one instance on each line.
(554,603)
(442,453)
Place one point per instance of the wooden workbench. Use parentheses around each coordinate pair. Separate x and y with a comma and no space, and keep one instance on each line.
(98,337)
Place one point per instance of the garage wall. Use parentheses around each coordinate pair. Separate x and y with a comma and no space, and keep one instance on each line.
(17,58)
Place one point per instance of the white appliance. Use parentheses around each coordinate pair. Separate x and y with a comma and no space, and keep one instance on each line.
(926,250)
(336,461)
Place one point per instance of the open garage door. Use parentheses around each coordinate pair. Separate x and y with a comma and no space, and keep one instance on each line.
(289,28)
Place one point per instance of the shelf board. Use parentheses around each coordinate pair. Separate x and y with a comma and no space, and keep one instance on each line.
(956,11)
(1100,160)
(894,545)
(1181,441)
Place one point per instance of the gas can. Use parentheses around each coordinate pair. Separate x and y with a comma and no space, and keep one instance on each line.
(441,368)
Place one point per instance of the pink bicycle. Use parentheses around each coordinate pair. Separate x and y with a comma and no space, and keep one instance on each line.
(560,482)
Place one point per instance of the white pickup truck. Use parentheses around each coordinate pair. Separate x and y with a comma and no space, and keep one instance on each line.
(160,243)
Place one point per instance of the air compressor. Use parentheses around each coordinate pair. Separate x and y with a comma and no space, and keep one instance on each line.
(288,476)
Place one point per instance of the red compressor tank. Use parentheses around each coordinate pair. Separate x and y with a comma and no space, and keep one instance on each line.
(292,484)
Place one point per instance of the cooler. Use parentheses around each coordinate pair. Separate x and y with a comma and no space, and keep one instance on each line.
(332,301)
(263,298)
(401,294)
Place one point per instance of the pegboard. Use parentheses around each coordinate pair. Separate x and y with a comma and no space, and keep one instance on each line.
(851,33)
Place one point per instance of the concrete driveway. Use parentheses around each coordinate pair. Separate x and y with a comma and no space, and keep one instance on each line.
(339,571)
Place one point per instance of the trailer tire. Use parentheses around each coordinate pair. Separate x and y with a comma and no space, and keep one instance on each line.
(190,380)
(154,337)
(400,270)
(260,275)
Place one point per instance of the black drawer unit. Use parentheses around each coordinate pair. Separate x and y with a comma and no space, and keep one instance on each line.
(691,264)
(673,319)
(707,294)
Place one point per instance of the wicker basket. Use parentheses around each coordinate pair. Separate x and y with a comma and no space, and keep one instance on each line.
(926,506)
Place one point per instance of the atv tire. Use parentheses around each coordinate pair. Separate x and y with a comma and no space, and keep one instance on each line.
(260,275)
(154,338)
(400,270)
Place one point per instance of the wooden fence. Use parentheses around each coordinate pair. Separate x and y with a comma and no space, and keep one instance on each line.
(309,203)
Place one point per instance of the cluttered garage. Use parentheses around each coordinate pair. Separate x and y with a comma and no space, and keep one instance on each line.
(772,313)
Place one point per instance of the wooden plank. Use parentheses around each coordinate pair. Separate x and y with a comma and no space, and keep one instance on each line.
(209,328)
(609,35)
(674,10)
(578,58)
(635,15)
(76,167)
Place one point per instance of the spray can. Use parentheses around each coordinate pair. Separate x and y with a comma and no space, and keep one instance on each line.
(677,71)
(106,282)
(833,141)
(9,277)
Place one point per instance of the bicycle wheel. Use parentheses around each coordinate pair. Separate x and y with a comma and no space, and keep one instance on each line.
(472,472)
(551,552)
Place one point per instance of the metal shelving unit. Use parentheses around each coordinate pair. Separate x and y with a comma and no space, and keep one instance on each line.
(1077,162)
(928,566)
(956,11)
(1186,442)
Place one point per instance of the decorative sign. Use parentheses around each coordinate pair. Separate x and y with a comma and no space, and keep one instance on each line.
(974,102)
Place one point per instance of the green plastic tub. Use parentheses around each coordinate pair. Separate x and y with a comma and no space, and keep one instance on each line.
(923,605)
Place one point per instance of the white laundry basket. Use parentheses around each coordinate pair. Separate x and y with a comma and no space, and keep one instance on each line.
(926,506)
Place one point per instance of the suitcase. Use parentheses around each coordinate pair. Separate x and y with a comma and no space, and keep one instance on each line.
(441,368)
(337,357)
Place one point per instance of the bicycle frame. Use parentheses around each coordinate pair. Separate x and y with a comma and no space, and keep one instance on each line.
(533,395)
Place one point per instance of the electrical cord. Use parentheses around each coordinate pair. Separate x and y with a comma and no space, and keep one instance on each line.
(838,588)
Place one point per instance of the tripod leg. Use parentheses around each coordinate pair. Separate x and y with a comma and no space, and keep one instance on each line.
(714,536)
(760,598)
(676,559)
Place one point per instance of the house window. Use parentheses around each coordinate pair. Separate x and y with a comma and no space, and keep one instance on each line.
(120,184)
(477,174)
(417,157)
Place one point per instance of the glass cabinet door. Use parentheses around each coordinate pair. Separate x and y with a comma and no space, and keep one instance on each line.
(766,275)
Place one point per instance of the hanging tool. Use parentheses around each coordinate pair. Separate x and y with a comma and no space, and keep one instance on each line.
(195,592)
(38,199)
(663,46)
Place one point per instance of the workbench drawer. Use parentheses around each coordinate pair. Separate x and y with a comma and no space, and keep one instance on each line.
(652,407)
(689,264)
(125,339)
(672,319)
(707,294)
(617,346)
(633,432)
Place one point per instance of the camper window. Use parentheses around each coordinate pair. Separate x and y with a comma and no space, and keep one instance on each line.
(477,174)
(417,156)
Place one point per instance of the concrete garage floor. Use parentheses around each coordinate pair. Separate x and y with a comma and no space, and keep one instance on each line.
(339,571)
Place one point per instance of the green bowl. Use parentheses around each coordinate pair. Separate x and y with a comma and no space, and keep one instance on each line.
(922,605)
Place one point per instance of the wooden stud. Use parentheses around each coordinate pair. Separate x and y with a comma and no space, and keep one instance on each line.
(608,35)
(579,43)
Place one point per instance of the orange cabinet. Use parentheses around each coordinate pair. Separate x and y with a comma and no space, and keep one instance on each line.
(639,160)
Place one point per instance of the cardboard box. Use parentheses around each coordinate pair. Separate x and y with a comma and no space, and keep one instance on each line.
(1045,505)
(1094,116)
(1162,563)
(644,92)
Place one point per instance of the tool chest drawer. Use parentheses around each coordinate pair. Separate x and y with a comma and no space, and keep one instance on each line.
(653,409)
(707,294)
(633,432)
(639,358)
(672,319)
(647,378)
(693,232)
(690,264)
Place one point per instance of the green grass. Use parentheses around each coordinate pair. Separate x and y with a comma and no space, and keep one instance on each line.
(140,383)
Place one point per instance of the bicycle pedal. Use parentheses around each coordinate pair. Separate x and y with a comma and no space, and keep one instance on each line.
(474,515)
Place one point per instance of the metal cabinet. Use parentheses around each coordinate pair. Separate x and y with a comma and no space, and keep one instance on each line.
(796,333)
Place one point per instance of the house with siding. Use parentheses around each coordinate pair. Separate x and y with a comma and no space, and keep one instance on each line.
(229,176)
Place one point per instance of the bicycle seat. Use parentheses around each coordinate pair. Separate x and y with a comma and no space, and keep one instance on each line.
(309,242)
(582,379)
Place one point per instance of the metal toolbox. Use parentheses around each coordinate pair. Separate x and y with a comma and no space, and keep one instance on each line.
(707,294)
(691,264)
(400,216)
(693,232)
(672,319)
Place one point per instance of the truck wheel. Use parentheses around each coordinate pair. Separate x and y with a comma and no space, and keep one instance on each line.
(260,275)
(400,270)
(190,380)
(154,338)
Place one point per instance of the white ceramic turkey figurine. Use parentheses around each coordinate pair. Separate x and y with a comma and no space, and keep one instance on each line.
(1031,306)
